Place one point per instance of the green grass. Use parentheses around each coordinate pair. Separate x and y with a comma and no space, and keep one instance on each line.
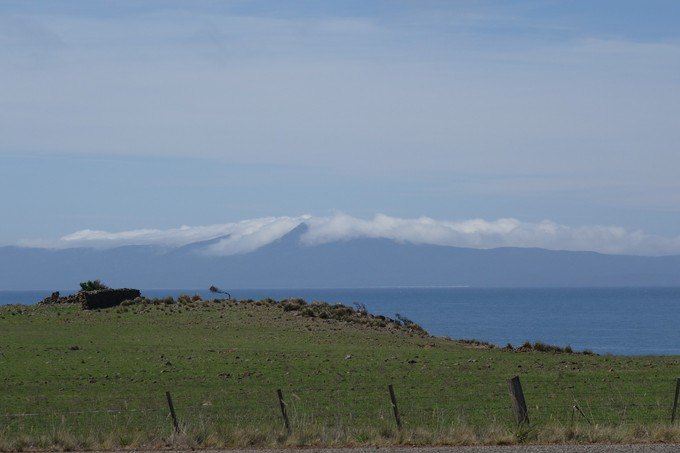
(76,379)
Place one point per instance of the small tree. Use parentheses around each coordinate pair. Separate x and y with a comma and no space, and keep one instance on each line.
(92,285)
(216,290)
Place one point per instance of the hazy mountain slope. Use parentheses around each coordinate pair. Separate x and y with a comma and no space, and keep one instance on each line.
(359,262)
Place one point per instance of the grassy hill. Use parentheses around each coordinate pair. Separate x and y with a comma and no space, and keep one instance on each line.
(71,378)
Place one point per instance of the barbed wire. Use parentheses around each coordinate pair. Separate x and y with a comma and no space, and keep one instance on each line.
(562,397)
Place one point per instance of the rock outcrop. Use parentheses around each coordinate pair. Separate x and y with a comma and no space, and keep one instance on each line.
(56,298)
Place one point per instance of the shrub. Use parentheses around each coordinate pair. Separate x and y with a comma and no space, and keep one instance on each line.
(92,285)
(292,304)
(342,312)
(403,319)
(542,347)
(477,343)
(216,290)
(360,308)
(184,299)
(409,324)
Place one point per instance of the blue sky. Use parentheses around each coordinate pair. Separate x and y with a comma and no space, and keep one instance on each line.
(126,115)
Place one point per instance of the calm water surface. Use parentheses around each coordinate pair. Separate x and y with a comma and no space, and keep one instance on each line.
(634,321)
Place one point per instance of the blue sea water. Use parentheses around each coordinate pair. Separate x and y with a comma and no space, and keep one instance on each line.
(630,321)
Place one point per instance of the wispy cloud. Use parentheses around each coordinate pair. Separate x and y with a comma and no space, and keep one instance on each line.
(239,237)
(249,235)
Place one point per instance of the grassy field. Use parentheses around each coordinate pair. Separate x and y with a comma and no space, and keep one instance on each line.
(97,379)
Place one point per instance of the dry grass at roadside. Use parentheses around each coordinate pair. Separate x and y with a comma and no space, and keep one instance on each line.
(204,435)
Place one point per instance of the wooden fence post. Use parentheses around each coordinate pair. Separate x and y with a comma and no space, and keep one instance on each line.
(576,407)
(172,412)
(519,405)
(395,408)
(675,400)
(284,413)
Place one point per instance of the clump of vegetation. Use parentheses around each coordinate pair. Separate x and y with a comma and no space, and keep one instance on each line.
(293,304)
(526,347)
(182,300)
(92,285)
(360,308)
(216,290)
(477,343)
(358,315)
(405,321)
(543,347)
(185,299)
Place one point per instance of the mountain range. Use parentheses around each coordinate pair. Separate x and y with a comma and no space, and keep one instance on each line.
(288,262)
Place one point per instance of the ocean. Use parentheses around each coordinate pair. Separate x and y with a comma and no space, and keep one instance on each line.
(621,321)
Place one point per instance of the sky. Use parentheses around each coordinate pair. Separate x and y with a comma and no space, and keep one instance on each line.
(125,116)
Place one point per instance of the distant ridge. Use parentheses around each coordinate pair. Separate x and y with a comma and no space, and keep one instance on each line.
(363,262)
(199,246)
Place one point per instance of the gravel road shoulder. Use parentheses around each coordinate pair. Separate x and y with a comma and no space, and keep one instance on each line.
(595,448)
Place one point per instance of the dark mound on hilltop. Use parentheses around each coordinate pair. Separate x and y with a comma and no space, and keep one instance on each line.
(105,298)
(90,300)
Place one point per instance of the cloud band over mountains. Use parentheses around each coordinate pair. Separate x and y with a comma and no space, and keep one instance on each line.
(249,235)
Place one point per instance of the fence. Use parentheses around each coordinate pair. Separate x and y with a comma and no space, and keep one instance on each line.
(530,399)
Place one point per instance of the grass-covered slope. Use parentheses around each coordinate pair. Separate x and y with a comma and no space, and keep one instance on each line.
(74,378)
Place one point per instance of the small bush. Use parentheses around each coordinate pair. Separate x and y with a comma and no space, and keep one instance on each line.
(408,323)
(292,304)
(543,347)
(92,285)
(183,299)
(360,308)
(216,290)
(479,344)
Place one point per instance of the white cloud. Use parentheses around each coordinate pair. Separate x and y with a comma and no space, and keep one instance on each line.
(241,237)
(480,233)
(249,235)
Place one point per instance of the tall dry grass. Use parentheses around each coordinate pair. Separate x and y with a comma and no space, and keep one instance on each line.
(204,434)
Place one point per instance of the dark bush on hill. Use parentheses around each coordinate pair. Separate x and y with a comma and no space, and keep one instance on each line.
(526,347)
(404,320)
(542,347)
(92,285)
(477,343)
